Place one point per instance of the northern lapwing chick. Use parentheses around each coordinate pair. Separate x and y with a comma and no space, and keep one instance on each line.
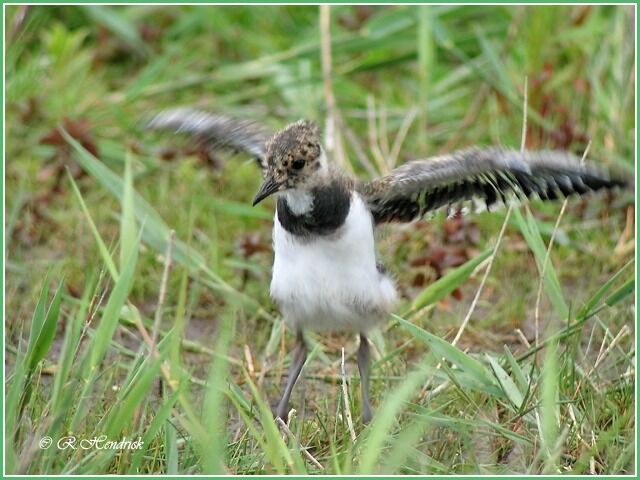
(325,273)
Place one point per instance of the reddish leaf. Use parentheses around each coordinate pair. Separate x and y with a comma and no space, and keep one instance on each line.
(457,294)
(78,129)
(252,243)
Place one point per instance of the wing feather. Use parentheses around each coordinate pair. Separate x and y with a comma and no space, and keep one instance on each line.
(216,131)
(489,175)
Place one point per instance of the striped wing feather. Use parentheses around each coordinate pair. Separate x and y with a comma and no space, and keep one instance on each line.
(216,131)
(484,175)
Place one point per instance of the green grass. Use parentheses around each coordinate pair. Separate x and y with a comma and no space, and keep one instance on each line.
(91,210)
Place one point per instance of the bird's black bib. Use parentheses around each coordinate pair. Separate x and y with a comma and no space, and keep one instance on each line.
(329,210)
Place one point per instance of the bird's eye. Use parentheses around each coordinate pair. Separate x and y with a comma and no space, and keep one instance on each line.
(298,164)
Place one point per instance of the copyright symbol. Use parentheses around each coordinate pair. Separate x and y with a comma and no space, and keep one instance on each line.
(45,442)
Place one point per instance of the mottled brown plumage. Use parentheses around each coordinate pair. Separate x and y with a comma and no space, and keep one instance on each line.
(293,154)
(297,140)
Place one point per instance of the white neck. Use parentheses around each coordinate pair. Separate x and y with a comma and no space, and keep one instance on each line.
(298,201)
(301,201)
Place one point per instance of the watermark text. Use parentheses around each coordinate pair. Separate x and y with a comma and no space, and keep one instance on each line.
(100,442)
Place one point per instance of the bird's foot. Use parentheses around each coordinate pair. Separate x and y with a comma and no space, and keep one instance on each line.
(282,412)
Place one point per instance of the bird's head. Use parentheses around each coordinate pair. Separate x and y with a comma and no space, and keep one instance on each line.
(295,160)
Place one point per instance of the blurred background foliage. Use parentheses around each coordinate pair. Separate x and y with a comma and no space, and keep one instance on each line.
(408,82)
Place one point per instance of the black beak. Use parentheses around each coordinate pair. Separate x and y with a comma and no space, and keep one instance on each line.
(269,186)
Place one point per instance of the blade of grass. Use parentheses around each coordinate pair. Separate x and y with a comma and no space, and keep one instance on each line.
(273,438)
(180,314)
(448,283)
(15,391)
(443,349)
(12,216)
(121,27)
(602,291)
(517,372)
(378,431)
(213,453)
(532,235)
(549,411)
(163,413)
(39,315)
(122,416)
(40,343)
(127,219)
(170,448)
(102,247)
(506,383)
(404,446)
(438,419)
(621,293)
(426,54)
(272,451)
(111,314)
(70,346)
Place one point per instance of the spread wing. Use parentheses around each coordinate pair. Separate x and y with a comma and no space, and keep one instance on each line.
(483,175)
(216,131)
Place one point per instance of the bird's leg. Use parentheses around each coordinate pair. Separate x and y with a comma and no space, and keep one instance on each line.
(363,367)
(299,357)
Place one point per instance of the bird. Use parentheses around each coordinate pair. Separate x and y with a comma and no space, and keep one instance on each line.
(326,274)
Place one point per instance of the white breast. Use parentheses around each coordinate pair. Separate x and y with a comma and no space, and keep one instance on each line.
(331,282)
